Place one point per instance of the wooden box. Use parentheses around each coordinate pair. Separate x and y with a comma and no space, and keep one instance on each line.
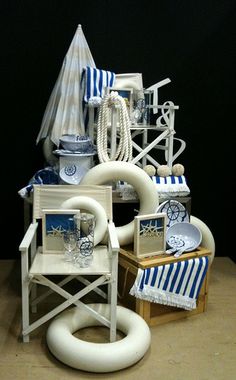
(154,313)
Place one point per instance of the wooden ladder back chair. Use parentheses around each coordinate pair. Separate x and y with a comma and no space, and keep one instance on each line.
(37,268)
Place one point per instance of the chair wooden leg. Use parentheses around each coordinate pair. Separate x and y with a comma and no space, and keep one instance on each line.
(113,299)
(33,296)
(25,297)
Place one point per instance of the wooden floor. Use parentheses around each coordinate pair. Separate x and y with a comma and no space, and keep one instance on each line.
(202,347)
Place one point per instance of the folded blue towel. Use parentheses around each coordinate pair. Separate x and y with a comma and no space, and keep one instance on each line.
(177,284)
(95,82)
(171,185)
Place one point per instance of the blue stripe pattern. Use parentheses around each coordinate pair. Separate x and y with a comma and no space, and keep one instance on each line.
(96,81)
(183,278)
(171,179)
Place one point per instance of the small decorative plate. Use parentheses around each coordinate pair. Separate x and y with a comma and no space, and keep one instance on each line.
(175,212)
(72,174)
(65,153)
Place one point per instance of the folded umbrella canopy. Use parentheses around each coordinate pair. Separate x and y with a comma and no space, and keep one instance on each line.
(64,111)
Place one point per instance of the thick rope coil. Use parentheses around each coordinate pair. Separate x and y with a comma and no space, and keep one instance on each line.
(124,147)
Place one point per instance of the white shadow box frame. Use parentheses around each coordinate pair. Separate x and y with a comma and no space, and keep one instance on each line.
(149,235)
(127,94)
(54,223)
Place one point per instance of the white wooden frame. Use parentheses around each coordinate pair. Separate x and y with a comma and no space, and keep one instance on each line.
(130,96)
(149,235)
(54,237)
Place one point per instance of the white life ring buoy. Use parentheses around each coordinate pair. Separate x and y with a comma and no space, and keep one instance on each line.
(138,178)
(98,357)
(207,237)
(95,208)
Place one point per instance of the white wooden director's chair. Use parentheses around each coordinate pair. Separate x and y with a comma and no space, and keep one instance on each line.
(40,268)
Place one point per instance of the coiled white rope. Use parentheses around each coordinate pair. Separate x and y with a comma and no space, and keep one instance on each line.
(124,147)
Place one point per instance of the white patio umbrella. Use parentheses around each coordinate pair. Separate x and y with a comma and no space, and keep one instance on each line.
(64,111)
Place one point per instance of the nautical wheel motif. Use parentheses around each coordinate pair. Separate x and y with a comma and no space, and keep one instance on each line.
(70,170)
(175,212)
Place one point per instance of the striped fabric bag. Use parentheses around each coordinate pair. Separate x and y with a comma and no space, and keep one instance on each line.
(177,284)
(95,82)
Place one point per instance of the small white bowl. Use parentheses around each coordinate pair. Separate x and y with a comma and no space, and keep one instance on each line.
(183,234)
(75,143)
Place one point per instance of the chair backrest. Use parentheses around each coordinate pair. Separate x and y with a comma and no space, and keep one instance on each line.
(52,197)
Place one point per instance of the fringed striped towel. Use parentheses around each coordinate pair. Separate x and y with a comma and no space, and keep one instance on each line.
(171,185)
(95,81)
(177,284)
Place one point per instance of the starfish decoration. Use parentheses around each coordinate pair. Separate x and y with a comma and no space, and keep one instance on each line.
(56,231)
(150,230)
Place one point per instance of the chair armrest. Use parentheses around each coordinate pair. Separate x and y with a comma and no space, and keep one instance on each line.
(112,237)
(28,238)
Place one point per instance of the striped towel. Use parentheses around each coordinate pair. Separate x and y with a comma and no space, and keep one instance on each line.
(95,82)
(171,185)
(177,284)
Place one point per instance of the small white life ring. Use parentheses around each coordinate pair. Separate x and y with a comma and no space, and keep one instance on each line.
(207,237)
(98,357)
(95,208)
(138,178)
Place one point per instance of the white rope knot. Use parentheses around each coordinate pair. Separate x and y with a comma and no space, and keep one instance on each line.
(124,147)
(113,99)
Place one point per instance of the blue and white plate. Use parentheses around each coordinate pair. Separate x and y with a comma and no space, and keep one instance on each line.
(72,174)
(68,153)
(175,212)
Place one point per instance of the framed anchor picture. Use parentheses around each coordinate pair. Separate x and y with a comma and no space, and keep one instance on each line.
(149,235)
(54,223)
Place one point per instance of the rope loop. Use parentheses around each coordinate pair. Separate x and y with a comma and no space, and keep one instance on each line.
(124,147)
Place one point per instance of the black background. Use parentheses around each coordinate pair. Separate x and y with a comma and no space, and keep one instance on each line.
(190,42)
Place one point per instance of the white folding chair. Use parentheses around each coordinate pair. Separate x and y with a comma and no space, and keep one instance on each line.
(39,268)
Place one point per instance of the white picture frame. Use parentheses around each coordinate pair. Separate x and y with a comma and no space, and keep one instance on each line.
(54,223)
(127,94)
(149,235)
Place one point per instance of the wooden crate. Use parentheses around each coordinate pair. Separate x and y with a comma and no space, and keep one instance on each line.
(154,313)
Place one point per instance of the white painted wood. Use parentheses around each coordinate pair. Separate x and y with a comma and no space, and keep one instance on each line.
(27,240)
(155,88)
(103,269)
(114,247)
(25,292)
(39,299)
(180,150)
(170,139)
(96,290)
(144,144)
(55,264)
(114,243)
(147,156)
(145,147)
(150,146)
(70,300)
